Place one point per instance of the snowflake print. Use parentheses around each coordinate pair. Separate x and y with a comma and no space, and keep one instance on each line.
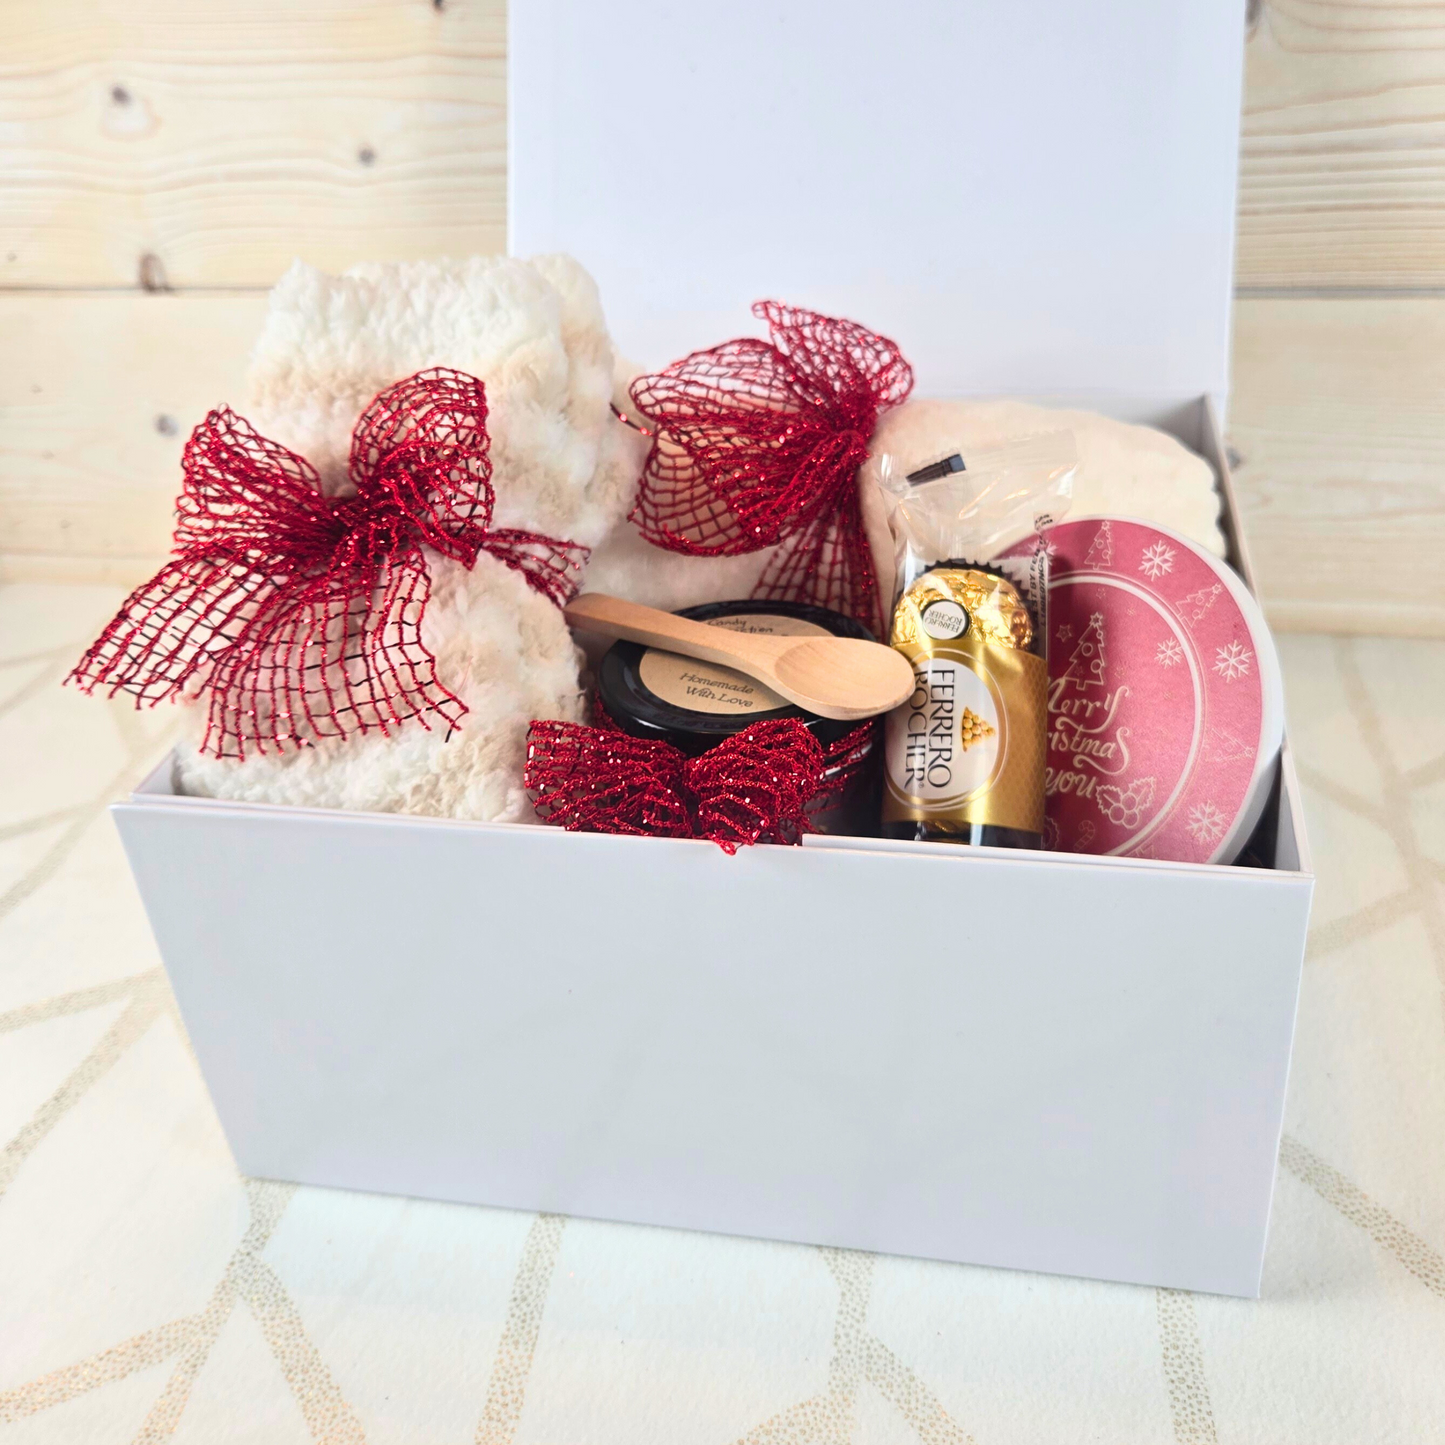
(1206,823)
(1169,653)
(1156,560)
(1232,661)
(1064,633)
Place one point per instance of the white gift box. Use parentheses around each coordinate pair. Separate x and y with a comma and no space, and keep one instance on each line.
(1035,1060)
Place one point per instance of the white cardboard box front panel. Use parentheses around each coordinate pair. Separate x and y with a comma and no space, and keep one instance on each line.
(1015,1061)
(1052,1063)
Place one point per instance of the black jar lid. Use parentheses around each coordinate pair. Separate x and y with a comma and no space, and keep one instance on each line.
(627,679)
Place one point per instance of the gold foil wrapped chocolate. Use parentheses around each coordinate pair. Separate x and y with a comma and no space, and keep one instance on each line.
(965,754)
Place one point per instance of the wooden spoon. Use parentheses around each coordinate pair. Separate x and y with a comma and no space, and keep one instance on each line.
(837,677)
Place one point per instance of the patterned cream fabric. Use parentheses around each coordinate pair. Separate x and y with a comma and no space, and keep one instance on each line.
(147,1293)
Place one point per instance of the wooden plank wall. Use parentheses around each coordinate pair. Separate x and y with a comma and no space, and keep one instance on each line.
(1338,409)
(161,162)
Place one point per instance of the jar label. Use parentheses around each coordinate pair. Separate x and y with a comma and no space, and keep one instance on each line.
(712,688)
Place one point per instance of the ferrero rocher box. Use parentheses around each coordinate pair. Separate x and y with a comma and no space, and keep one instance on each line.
(967,752)
(1063,1063)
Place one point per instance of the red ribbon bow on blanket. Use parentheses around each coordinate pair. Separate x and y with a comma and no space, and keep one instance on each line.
(757,443)
(755,786)
(301,613)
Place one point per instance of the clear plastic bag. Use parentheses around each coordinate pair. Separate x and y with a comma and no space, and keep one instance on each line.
(974,507)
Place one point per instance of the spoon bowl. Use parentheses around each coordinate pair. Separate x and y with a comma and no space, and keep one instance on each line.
(810,671)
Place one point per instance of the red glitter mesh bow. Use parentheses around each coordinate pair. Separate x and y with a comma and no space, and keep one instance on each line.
(752,786)
(759,442)
(301,613)
(756,786)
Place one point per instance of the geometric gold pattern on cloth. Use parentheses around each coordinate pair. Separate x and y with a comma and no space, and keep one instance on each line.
(1391,812)
(247,1278)
(1184,1368)
(828,1418)
(145,997)
(507,1390)
(1380,844)
(1413,1252)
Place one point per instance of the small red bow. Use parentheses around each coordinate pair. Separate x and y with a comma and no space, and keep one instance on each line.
(759,442)
(753,786)
(301,613)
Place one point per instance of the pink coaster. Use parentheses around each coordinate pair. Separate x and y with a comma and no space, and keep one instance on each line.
(1165,704)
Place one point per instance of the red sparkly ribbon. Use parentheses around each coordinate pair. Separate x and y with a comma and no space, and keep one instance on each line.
(301,613)
(757,443)
(756,786)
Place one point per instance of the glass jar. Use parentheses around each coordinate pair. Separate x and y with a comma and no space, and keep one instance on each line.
(652,693)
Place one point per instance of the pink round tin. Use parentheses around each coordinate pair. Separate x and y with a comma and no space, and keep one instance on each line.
(1166,708)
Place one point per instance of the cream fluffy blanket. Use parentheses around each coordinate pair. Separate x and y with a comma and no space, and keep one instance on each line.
(533,332)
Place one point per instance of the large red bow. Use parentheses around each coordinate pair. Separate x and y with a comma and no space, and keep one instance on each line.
(759,442)
(754,786)
(301,613)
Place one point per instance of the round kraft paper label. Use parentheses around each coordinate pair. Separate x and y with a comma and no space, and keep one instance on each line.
(709,686)
(1156,699)
(943,618)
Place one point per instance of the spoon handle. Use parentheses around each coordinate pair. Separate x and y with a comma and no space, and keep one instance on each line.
(752,653)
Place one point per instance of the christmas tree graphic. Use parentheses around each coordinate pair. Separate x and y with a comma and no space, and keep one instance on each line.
(1086,666)
(1198,603)
(1101,549)
(973,728)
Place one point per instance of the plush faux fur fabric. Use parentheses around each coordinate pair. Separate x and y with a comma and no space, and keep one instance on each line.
(533,331)
(1124,470)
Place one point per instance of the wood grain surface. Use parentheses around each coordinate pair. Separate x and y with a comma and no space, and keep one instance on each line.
(97,395)
(1338,422)
(1342,179)
(160,164)
(154,142)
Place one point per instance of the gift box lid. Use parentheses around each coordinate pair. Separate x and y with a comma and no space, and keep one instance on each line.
(1034,197)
